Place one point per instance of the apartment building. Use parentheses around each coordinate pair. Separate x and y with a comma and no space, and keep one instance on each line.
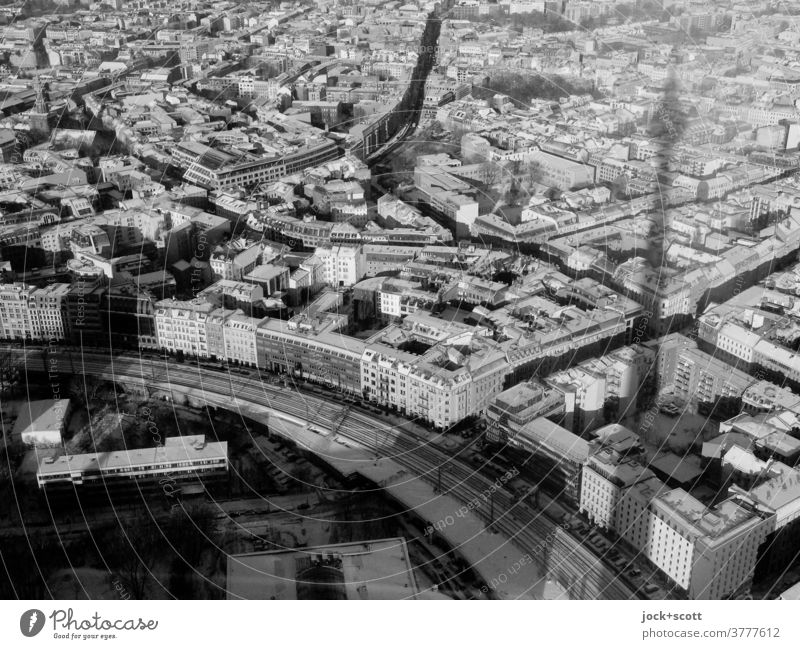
(380,259)
(443,386)
(215,169)
(710,553)
(30,313)
(604,479)
(343,264)
(704,379)
(181,326)
(777,493)
(239,338)
(604,387)
(16,320)
(398,298)
(310,348)
(48,306)
(234,262)
(215,336)
(562,173)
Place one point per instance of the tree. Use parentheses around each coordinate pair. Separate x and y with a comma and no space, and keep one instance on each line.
(9,370)
(512,195)
(491,172)
(133,548)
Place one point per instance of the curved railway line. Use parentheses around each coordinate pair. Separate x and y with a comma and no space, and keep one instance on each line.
(584,574)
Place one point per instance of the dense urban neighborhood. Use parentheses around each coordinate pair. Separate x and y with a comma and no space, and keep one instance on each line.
(356,299)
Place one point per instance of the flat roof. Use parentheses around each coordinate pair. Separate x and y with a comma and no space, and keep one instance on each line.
(781,490)
(544,431)
(698,520)
(44,415)
(175,449)
(378,569)
(681,469)
(743,460)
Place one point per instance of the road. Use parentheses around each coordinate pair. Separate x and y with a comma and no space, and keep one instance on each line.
(567,559)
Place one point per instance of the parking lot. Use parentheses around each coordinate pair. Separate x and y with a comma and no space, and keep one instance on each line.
(634,568)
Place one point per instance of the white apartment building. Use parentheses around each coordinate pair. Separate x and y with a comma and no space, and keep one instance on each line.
(399,298)
(181,326)
(438,387)
(632,516)
(239,334)
(235,264)
(342,265)
(737,341)
(16,320)
(31,313)
(47,309)
(604,480)
(709,553)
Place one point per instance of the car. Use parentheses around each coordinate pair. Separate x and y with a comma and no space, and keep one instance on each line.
(635,572)
(650,588)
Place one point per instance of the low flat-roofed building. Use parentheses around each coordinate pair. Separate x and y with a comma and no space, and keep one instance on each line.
(185,458)
(780,446)
(42,423)
(520,405)
(379,569)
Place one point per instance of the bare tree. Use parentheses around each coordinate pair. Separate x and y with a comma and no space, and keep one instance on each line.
(9,370)
(491,172)
(133,548)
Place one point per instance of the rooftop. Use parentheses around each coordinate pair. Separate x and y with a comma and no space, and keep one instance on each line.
(174,449)
(44,415)
(378,569)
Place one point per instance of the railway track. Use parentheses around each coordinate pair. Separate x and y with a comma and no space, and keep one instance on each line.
(574,565)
